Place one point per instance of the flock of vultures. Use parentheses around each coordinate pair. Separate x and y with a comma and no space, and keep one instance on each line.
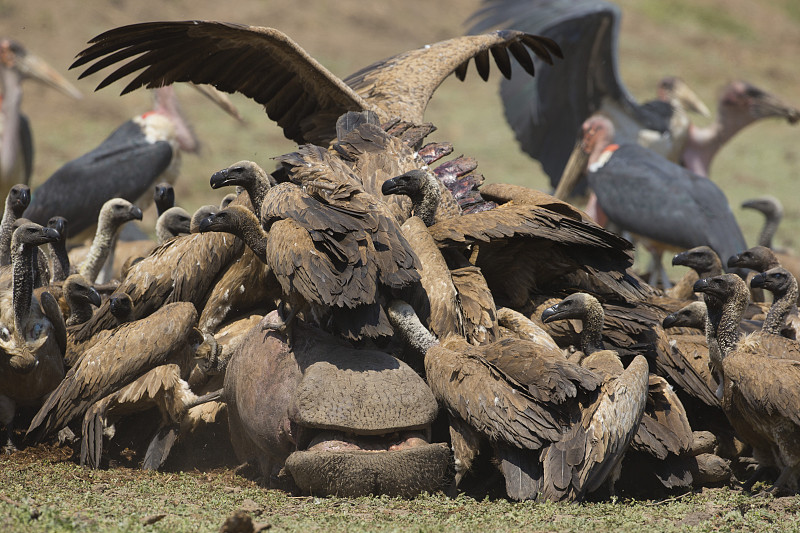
(370,317)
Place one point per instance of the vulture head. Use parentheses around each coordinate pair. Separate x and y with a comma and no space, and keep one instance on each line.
(759,258)
(700,259)
(410,184)
(121,307)
(776,280)
(244,173)
(59,224)
(33,234)
(173,222)
(118,211)
(578,305)
(690,316)
(202,212)
(164,197)
(723,287)
(78,291)
(18,199)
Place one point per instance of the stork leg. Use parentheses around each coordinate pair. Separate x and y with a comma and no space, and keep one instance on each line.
(657,269)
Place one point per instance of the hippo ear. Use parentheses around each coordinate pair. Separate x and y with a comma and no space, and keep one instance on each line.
(53,313)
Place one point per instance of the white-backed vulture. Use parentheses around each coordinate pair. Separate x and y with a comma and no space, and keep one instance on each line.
(302,96)
(527,247)
(523,398)
(113,215)
(760,374)
(80,297)
(16,201)
(126,353)
(329,244)
(664,432)
(783,286)
(31,350)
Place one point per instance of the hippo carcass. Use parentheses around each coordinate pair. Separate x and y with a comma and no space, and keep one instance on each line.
(331,419)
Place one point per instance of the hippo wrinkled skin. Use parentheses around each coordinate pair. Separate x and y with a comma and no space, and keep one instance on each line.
(323,417)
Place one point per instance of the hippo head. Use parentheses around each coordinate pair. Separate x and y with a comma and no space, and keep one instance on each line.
(331,419)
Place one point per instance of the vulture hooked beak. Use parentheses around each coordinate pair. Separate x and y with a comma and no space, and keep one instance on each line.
(734,260)
(208,223)
(669,320)
(759,281)
(224,178)
(94,297)
(407,184)
(136,212)
(555,312)
(712,286)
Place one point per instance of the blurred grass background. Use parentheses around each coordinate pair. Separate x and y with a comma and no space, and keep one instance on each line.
(707,42)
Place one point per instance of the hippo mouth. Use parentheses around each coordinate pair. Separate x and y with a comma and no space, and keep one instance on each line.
(402,463)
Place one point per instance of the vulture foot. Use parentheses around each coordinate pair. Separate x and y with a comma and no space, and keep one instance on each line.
(282,325)
(209,353)
(757,476)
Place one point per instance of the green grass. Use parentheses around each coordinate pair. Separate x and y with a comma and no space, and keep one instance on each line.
(57,495)
(705,15)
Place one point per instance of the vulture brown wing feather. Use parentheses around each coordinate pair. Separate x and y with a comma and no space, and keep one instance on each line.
(217,50)
(128,352)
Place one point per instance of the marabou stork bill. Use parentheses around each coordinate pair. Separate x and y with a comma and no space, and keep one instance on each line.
(546,112)
(16,142)
(143,151)
(301,95)
(658,201)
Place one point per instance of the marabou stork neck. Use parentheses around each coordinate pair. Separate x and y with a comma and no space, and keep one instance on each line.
(16,143)
(741,104)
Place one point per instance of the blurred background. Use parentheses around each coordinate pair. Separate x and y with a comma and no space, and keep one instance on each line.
(706,42)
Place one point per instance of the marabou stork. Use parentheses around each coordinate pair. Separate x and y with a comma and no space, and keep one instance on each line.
(651,197)
(16,142)
(143,151)
(302,96)
(546,112)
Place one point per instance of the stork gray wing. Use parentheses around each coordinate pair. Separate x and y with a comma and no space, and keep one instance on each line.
(546,112)
(648,195)
(302,96)
(123,166)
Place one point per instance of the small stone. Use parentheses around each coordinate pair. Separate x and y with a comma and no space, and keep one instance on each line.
(251,506)
(152,519)
(238,522)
